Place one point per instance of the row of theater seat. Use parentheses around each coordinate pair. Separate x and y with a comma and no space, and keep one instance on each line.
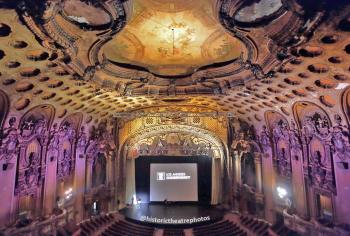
(174,232)
(257,226)
(222,228)
(124,228)
(94,224)
(281,230)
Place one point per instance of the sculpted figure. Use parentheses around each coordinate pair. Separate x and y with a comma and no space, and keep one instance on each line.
(294,137)
(9,141)
(340,140)
(39,128)
(54,138)
(82,139)
(265,139)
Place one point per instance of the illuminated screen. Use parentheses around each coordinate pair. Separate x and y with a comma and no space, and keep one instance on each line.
(173,182)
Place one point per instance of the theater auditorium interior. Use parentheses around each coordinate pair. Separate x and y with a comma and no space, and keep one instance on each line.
(174,117)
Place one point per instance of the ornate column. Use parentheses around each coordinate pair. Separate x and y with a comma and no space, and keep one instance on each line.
(298,180)
(268,171)
(341,154)
(51,171)
(79,175)
(111,180)
(9,153)
(237,180)
(257,162)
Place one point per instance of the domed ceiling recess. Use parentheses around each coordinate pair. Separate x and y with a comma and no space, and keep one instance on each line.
(155,47)
(173,38)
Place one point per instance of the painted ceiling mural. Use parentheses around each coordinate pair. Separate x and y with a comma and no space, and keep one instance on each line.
(172,38)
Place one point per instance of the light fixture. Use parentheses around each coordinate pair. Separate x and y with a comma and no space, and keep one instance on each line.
(282,192)
(68,193)
(134,199)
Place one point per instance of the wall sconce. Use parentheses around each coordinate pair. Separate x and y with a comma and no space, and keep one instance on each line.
(68,194)
(281,192)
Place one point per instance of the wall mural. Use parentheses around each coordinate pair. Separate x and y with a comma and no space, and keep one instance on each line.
(172,43)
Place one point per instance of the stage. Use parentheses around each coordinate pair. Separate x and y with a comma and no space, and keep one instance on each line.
(172,215)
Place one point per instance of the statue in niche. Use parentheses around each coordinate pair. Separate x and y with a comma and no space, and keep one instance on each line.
(33,126)
(54,139)
(32,174)
(340,140)
(294,137)
(280,130)
(317,165)
(9,141)
(39,128)
(70,132)
(82,139)
(265,139)
(321,124)
(284,164)
(64,166)
(99,170)
(308,129)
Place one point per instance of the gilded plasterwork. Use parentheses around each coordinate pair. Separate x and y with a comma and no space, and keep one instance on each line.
(172,39)
(173,144)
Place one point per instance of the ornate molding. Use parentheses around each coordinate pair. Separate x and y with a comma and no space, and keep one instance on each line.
(217,144)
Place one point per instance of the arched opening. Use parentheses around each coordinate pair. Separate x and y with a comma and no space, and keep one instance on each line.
(30,176)
(315,125)
(172,144)
(4,107)
(67,134)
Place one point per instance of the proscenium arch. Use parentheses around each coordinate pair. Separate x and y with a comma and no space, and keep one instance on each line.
(127,164)
(163,129)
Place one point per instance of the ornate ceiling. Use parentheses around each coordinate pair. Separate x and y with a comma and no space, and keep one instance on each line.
(175,38)
(93,57)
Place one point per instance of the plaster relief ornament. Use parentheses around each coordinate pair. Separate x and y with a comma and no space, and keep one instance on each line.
(294,138)
(281,130)
(65,165)
(54,139)
(265,139)
(340,140)
(82,139)
(32,173)
(9,141)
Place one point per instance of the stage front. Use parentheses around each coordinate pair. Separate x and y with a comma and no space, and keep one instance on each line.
(186,179)
(172,214)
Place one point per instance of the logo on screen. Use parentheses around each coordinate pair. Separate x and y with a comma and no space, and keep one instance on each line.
(160,175)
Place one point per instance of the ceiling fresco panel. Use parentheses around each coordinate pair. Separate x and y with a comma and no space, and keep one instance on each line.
(172,43)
